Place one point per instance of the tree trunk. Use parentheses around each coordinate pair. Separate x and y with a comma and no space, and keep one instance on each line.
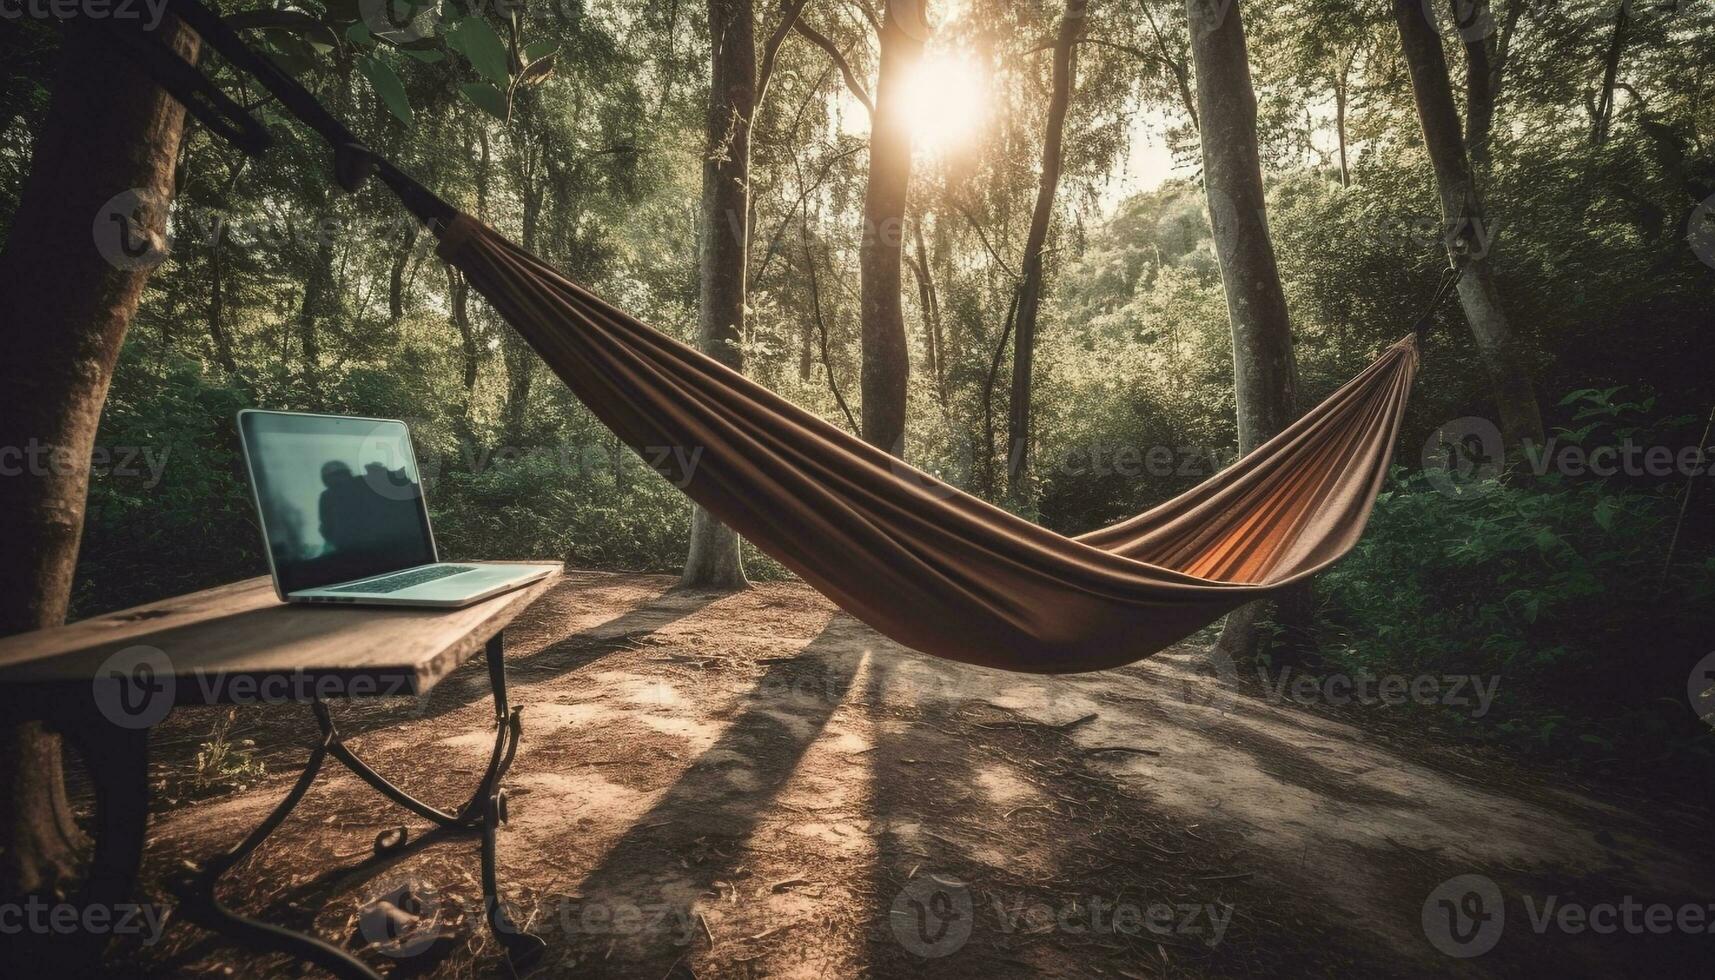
(396,276)
(932,315)
(1030,286)
(516,354)
(110,132)
(217,303)
(714,561)
(316,294)
(1610,74)
(1265,375)
(1340,127)
(886,357)
(1467,230)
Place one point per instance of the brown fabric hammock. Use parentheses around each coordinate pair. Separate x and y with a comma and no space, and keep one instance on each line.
(929,565)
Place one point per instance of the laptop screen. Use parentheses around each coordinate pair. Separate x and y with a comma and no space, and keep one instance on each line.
(339,498)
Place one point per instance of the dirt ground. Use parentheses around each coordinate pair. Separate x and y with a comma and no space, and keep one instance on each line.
(756,785)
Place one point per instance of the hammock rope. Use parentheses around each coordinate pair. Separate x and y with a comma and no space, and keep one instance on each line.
(922,562)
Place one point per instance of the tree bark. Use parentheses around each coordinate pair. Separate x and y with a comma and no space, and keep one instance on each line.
(396,275)
(714,561)
(1265,375)
(1030,288)
(1468,230)
(1479,78)
(1610,73)
(933,340)
(217,303)
(67,297)
(886,356)
(316,295)
(1340,95)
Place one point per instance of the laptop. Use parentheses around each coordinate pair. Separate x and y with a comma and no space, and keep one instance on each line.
(344,519)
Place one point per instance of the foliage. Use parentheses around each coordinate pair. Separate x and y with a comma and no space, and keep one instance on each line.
(1560,587)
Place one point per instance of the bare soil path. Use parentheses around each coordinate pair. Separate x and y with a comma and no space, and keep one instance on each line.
(756,785)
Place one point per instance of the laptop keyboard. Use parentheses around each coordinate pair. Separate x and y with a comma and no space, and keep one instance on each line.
(405,580)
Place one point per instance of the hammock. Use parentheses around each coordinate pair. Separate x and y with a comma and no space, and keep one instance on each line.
(922,562)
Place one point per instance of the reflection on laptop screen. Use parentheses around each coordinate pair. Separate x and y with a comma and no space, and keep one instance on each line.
(340,498)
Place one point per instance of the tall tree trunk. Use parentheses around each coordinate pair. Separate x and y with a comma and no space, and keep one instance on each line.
(886,357)
(1030,286)
(1265,375)
(66,301)
(470,355)
(931,299)
(517,355)
(217,302)
(1479,77)
(396,276)
(806,350)
(714,561)
(1468,230)
(316,295)
(1610,74)
(1340,125)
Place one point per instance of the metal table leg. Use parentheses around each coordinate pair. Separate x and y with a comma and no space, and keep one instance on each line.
(482,814)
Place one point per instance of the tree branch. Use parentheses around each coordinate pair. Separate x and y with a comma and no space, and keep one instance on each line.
(788,17)
(821,40)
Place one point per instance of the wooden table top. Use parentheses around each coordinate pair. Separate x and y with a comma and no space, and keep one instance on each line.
(242,632)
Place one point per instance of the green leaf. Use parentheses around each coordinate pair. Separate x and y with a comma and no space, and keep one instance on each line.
(537,50)
(386,85)
(358,33)
(427,56)
(488,98)
(473,38)
(1605,513)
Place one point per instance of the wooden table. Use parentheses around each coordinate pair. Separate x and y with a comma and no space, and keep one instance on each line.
(103,682)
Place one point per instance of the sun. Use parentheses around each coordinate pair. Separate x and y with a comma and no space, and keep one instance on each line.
(946,102)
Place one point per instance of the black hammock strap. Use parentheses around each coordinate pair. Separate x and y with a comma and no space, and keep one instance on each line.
(353,161)
(201,98)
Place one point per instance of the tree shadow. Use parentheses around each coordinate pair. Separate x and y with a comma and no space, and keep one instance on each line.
(632,915)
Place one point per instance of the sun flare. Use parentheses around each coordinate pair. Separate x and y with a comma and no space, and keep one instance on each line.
(946,102)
